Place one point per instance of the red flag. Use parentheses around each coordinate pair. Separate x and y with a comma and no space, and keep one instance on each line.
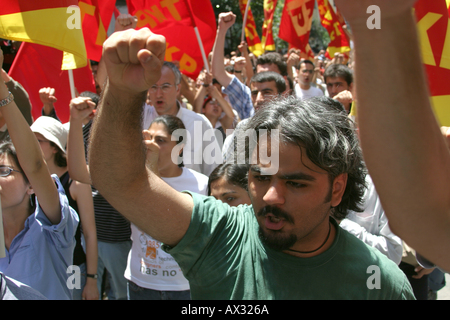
(95,16)
(251,35)
(37,66)
(433,25)
(267,34)
(295,25)
(173,19)
(330,21)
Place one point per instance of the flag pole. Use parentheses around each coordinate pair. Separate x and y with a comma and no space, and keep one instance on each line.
(72,83)
(2,235)
(197,35)
(202,50)
(245,20)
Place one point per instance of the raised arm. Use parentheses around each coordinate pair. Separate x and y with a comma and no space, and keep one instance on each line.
(30,156)
(80,109)
(48,98)
(243,48)
(228,118)
(226,20)
(405,153)
(82,194)
(117,157)
(202,92)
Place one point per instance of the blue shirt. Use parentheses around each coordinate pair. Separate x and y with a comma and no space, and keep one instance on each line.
(240,98)
(41,253)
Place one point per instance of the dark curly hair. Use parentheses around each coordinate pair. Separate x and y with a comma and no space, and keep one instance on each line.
(321,126)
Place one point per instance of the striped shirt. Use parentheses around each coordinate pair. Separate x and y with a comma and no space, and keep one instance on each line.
(111,225)
(240,98)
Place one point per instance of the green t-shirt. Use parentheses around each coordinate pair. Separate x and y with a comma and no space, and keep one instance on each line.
(223,258)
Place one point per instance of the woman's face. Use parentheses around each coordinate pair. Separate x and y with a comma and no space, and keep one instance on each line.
(14,190)
(159,134)
(212,109)
(229,193)
(48,151)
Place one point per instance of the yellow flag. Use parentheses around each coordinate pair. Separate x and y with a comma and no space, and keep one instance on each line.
(53,23)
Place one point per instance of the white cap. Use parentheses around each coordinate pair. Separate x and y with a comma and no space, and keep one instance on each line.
(52,130)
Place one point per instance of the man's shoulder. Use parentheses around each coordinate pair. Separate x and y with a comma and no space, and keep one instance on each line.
(198,176)
(316,91)
(189,115)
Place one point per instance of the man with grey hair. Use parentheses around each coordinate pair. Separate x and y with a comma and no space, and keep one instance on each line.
(163,96)
(285,245)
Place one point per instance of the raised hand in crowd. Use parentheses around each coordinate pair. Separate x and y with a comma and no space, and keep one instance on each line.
(402,143)
(243,49)
(48,98)
(125,21)
(81,111)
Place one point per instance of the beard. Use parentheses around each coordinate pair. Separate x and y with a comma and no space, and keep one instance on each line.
(276,239)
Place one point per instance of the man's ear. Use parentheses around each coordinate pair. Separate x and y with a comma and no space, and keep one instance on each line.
(338,188)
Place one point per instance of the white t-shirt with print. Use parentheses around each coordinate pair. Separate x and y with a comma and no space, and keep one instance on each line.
(148,265)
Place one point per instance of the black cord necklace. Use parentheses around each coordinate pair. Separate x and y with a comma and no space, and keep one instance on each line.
(306,252)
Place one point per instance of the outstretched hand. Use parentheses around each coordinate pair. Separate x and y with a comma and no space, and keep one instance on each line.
(133,60)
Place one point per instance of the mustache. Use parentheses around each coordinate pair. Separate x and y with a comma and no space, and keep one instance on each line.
(277,212)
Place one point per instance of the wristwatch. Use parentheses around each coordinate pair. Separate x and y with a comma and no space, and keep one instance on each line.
(93,276)
(7,100)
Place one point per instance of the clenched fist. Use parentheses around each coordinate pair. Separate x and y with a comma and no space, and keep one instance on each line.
(133,59)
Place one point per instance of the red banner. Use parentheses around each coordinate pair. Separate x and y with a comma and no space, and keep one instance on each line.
(174,19)
(251,35)
(330,21)
(37,66)
(433,24)
(96,17)
(267,35)
(295,25)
